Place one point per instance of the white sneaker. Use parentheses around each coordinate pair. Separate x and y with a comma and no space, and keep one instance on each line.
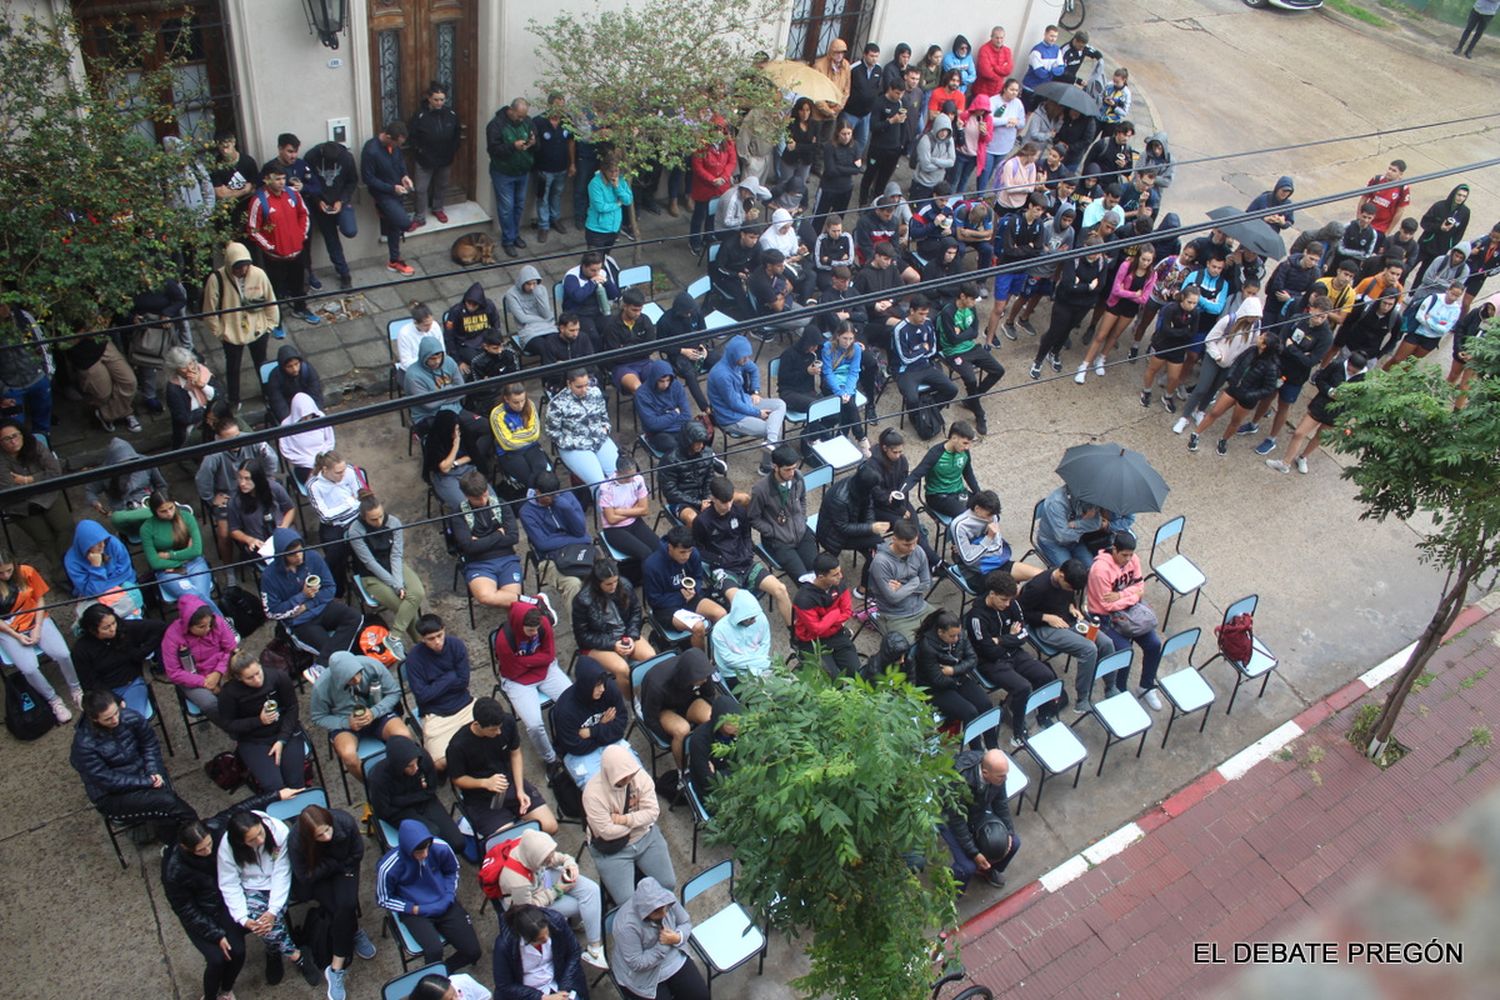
(1180,425)
(1153,699)
(1277,464)
(1198,416)
(1302,466)
(1083,373)
(59,710)
(546,605)
(864,447)
(1099,367)
(594,955)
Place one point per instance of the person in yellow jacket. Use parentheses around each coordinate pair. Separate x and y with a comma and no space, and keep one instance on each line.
(518,433)
(240,283)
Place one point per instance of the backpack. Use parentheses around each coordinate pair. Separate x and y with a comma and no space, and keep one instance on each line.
(375,642)
(1236,638)
(226,770)
(315,935)
(565,792)
(284,655)
(244,610)
(499,858)
(27,716)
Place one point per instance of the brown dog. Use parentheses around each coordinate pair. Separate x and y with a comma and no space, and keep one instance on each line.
(473,248)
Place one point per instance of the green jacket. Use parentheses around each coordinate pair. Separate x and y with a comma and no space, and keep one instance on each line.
(500,137)
(156,537)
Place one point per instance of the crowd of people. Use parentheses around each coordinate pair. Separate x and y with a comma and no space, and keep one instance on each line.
(998,175)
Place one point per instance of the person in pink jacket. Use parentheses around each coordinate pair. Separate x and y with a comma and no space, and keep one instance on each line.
(195,652)
(1134,281)
(1116,585)
(993,63)
(974,130)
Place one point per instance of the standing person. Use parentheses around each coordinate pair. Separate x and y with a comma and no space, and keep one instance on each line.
(843,160)
(237,284)
(556,160)
(510,138)
(1255,375)
(1043,64)
(27,628)
(1390,203)
(1443,226)
(1230,337)
(418,879)
(609,195)
(434,135)
(650,957)
(1435,317)
(865,88)
(1007,116)
(887,134)
(1176,325)
(833,64)
(1077,292)
(712,169)
(233,174)
(378,541)
(620,813)
(382,167)
(332,179)
(1479,19)
(326,848)
(258,709)
(255,879)
(1134,281)
(992,65)
(1320,412)
(936,156)
(1301,352)
(278,223)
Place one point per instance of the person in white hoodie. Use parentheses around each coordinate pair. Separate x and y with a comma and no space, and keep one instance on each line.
(1435,316)
(1230,337)
(301,450)
(255,879)
(936,155)
(528,307)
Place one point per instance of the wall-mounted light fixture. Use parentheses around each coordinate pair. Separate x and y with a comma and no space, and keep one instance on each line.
(326,18)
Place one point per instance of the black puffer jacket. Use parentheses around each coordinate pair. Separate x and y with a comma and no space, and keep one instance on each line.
(931,655)
(1255,375)
(600,620)
(685,477)
(848,509)
(976,800)
(192,883)
(117,661)
(339,856)
(121,759)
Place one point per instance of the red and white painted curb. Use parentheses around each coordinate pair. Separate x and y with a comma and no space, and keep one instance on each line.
(1181,801)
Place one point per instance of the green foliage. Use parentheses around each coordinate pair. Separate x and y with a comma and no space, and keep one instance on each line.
(86,218)
(835,789)
(666,73)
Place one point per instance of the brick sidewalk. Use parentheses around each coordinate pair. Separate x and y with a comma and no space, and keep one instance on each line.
(1254,856)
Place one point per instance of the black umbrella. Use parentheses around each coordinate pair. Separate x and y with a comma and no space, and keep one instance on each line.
(1113,477)
(1069,96)
(1253,234)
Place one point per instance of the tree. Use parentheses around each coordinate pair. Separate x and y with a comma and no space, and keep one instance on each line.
(1416,453)
(87,217)
(835,795)
(658,79)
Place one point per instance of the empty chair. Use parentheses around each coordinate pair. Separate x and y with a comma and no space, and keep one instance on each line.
(837,451)
(1260,661)
(401,987)
(1179,574)
(1121,715)
(1185,690)
(1056,749)
(728,938)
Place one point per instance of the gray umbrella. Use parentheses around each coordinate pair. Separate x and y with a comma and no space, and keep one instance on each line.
(1069,96)
(1113,477)
(1253,234)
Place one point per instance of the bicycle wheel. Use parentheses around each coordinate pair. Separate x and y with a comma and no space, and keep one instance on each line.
(1072,15)
(978,992)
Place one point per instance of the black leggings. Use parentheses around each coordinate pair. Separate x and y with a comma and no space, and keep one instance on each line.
(219,973)
(964,702)
(1065,317)
(684,984)
(636,541)
(339,895)
(1477,23)
(266,773)
(833,201)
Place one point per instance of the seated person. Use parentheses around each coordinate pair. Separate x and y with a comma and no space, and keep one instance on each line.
(675,696)
(418,879)
(257,509)
(800,370)
(979,831)
(403,786)
(778,510)
(28,631)
(465,324)
(900,578)
(191,386)
(117,756)
(846,517)
(968,359)
(356,698)
(117,492)
(742,638)
(553,882)
(258,709)
(529,305)
(979,545)
(486,767)
(729,272)
(947,472)
(1117,589)
(1049,603)
(688,360)
(377,542)
(588,717)
(820,612)
(293,374)
(943,665)
(688,470)
(98,565)
(436,370)
(409,337)
(649,954)
(577,421)
(607,622)
(485,534)
(536,952)
(297,590)
(705,766)
(632,329)
(559,533)
(676,584)
(111,652)
(438,668)
(497,357)
(925,388)
(734,395)
(996,629)
(526,663)
(254,867)
(218,474)
(771,291)
(619,804)
(570,345)
(582,285)
(195,652)
(661,406)
(1063,525)
(722,535)
(624,505)
(833,248)
(173,547)
(517,429)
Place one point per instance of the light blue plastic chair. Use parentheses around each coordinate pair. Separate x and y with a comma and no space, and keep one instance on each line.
(1122,716)
(1185,689)
(1179,574)
(401,987)
(728,938)
(287,810)
(1057,748)
(1262,660)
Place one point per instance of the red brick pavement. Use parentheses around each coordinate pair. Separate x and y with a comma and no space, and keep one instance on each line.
(1246,860)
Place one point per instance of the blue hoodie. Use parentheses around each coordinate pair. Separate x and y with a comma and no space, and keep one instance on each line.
(403,882)
(553,527)
(281,588)
(963,63)
(727,395)
(662,576)
(89,580)
(439,681)
(661,412)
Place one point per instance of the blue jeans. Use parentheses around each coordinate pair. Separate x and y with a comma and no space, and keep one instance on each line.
(331,227)
(1150,644)
(587,160)
(861,131)
(194,579)
(961,171)
(36,402)
(510,200)
(134,695)
(1056,553)
(549,199)
(393,222)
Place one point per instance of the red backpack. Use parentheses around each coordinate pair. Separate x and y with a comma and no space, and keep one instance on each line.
(1236,638)
(498,858)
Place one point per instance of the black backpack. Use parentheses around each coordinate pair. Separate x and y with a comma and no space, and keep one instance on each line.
(27,716)
(315,935)
(244,610)
(565,791)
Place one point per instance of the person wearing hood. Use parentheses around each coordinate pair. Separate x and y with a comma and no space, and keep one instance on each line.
(116,754)
(435,370)
(741,206)
(742,639)
(961,58)
(661,405)
(935,156)
(705,765)
(1443,226)
(356,699)
(620,814)
(1279,195)
(190,388)
(734,396)
(688,471)
(218,474)
(195,652)
(487,769)
(301,449)
(1158,157)
(1436,277)
(237,284)
(418,879)
(712,171)
(332,178)
(466,323)
(98,565)
(525,657)
(295,589)
(377,540)
(588,717)
(1372,329)
(846,518)
(650,957)
(529,305)
(193,189)
(437,668)
(675,696)
(403,788)
(1230,337)
(537,956)
(535,875)
(292,375)
(326,847)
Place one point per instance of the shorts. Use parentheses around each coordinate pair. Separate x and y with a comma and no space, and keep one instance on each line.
(1174,356)
(378,726)
(636,368)
(504,570)
(1424,343)
(1037,286)
(751,579)
(1289,392)
(490,815)
(1007,285)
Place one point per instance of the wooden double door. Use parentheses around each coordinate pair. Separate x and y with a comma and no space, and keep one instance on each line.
(416,42)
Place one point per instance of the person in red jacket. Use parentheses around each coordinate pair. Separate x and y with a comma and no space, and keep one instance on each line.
(993,63)
(277,223)
(713,174)
(526,663)
(820,610)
